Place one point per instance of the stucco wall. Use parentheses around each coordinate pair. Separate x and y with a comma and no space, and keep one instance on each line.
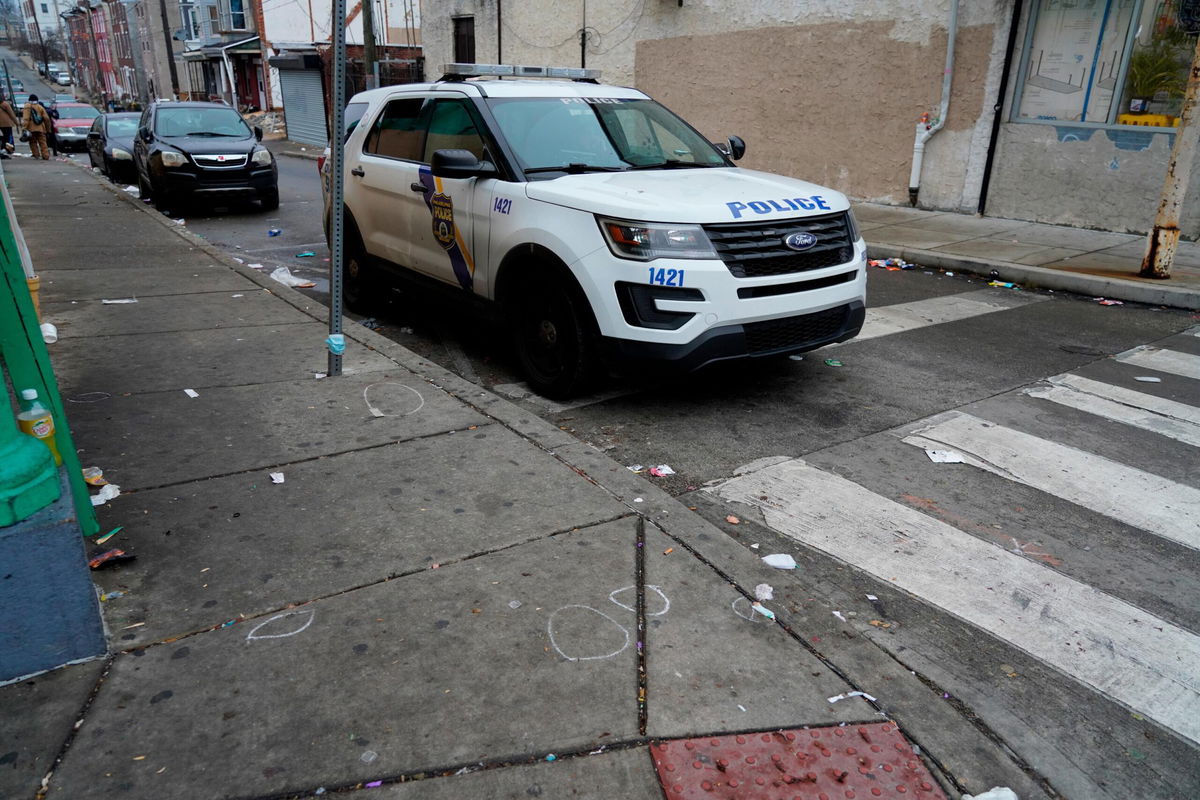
(827,90)
(1085,177)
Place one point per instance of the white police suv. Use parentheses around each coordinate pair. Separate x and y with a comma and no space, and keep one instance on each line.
(604,228)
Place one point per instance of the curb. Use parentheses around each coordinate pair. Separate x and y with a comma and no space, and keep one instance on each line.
(1044,278)
(298,154)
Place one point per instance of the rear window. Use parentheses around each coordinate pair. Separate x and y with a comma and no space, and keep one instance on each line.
(77,112)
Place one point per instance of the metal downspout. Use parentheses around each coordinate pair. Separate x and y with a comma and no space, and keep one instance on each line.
(926,128)
(997,119)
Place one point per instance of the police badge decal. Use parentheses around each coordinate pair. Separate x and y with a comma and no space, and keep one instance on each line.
(443,219)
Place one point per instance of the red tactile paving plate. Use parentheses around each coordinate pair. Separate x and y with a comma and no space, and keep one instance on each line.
(855,762)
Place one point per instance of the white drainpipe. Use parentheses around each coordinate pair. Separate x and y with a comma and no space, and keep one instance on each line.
(925,128)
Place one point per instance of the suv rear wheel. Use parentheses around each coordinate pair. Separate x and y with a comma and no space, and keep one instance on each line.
(360,283)
(553,335)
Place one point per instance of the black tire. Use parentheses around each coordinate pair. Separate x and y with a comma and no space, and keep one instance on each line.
(269,200)
(360,281)
(554,335)
(144,190)
(163,200)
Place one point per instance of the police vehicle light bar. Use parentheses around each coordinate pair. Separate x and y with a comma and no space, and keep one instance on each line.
(519,71)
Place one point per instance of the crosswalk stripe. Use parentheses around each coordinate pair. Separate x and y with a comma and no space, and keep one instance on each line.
(1138,498)
(1165,417)
(886,320)
(1122,651)
(1156,358)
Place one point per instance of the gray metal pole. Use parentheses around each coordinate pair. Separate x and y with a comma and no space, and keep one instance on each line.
(337,233)
(1164,238)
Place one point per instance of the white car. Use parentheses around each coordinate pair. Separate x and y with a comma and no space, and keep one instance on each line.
(62,79)
(603,228)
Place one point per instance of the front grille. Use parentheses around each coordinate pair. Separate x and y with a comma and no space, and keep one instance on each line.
(222,181)
(227,161)
(791,332)
(756,249)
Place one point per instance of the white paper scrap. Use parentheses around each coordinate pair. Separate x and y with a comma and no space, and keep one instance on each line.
(944,457)
(780,561)
(1148,379)
(238,295)
(255,266)
(285,276)
(276,477)
(191,393)
(840,616)
(764,591)
(119,301)
(662,470)
(109,491)
(872,598)
(848,695)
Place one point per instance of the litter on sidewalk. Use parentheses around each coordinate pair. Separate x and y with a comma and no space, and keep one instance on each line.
(848,695)
(285,276)
(780,561)
(110,491)
(109,557)
(119,301)
(995,793)
(944,457)
(661,471)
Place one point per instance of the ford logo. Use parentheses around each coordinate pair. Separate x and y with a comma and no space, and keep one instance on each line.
(800,241)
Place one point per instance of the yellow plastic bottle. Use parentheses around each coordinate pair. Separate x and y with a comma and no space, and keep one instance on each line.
(36,420)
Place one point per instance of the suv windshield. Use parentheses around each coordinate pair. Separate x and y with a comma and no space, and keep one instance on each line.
(184,121)
(577,134)
(122,126)
(76,112)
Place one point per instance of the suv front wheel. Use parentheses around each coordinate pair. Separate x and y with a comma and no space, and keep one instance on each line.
(553,336)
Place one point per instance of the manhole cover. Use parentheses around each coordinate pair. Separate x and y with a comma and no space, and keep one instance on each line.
(855,762)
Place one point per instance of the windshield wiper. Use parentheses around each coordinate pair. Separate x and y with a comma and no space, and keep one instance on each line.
(210,133)
(674,163)
(573,169)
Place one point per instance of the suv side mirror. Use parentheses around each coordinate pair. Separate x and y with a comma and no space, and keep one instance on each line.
(460,164)
(258,133)
(144,135)
(737,147)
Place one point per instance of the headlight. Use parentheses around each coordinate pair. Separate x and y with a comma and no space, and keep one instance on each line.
(853,223)
(122,155)
(170,159)
(645,241)
(261,157)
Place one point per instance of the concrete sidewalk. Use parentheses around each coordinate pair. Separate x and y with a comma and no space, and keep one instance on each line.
(445,595)
(1093,263)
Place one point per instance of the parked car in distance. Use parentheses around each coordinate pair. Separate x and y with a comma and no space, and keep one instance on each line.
(72,124)
(18,85)
(64,98)
(192,150)
(62,79)
(19,100)
(110,145)
(49,70)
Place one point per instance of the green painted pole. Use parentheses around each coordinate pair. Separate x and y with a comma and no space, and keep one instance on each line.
(25,358)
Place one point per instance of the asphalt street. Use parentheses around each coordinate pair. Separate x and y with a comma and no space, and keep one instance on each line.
(1045,581)
(1024,385)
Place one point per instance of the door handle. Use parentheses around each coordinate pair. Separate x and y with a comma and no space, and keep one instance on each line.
(418,187)
(358,171)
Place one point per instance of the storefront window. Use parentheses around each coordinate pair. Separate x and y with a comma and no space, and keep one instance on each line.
(1122,62)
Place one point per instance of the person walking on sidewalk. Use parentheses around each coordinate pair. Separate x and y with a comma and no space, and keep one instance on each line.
(36,120)
(8,121)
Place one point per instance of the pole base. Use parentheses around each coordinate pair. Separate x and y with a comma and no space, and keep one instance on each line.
(28,478)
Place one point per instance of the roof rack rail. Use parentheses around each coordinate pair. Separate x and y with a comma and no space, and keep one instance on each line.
(461,72)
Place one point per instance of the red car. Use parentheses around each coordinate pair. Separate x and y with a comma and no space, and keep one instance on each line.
(72,123)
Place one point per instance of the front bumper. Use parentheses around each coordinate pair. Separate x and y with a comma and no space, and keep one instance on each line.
(70,141)
(775,337)
(239,182)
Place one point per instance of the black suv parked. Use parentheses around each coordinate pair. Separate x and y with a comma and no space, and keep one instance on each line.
(186,151)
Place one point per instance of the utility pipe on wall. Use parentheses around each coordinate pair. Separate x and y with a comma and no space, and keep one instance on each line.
(925,127)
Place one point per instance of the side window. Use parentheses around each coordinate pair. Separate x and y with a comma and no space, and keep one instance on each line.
(397,131)
(96,123)
(452,128)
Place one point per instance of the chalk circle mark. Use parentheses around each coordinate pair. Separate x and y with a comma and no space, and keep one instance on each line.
(749,614)
(89,397)
(392,399)
(666,603)
(302,618)
(577,623)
